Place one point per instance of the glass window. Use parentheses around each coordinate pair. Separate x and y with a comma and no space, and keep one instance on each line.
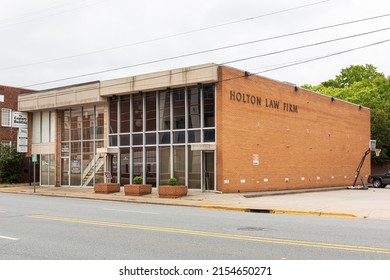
(137,162)
(75,124)
(137,112)
(88,155)
(65,131)
(113,115)
(178,108)
(165,110)
(99,174)
(52,127)
(194,136)
(151,165)
(65,171)
(125,166)
(125,113)
(193,107)
(65,149)
(209,135)
(165,165)
(165,137)
(150,111)
(179,137)
(6,117)
(125,140)
(44,170)
(45,127)
(209,105)
(51,170)
(194,169)
(88,123)
(99,122)
(113,162)
(113,140)
(75,164)
(36,133)
(179,164)
(150,138)
(137,139)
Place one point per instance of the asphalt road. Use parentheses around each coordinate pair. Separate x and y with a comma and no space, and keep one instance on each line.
(41,228)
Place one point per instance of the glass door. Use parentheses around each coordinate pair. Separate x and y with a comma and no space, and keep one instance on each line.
(208,175)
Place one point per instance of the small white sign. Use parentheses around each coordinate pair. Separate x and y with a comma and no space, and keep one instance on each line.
(22,143)
(1,98)
(372,145)
(19,119)
(255,159)
(203,147)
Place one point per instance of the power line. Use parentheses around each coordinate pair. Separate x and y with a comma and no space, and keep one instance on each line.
(41,10)
(244,75)
(54,14)
(313,59)
(165,37)
(206,51)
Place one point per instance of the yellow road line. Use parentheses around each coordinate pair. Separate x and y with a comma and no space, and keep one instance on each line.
(218,235)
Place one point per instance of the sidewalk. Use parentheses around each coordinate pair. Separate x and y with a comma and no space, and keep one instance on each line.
(338,202)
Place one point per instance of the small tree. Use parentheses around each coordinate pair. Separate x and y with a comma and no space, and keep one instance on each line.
(10,164)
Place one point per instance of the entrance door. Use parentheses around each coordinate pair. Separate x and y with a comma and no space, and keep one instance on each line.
(208,174)
(113,167)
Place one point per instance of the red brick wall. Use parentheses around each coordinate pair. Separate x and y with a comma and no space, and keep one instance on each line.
(11,102)
(308,139)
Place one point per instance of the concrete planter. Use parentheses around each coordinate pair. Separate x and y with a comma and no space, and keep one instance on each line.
(172,191)
(106,188)
(138,189)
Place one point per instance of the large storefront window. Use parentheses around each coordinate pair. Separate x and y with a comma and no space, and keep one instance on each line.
(164,125)
(82,132)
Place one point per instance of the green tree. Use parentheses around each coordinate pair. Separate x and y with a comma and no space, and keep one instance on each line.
(10,164)
(364,85)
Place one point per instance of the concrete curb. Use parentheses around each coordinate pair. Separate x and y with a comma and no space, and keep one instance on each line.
(178,202)
(281,211)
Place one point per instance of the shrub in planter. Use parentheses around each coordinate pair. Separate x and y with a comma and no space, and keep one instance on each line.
(172,190)
(172,181)
(137,180)
(137,188)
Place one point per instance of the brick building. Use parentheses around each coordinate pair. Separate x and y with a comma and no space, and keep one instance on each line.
(211,127)
(8,106)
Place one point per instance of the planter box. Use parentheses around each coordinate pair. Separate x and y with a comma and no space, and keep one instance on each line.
(172,191)
(138,189)
(106,188)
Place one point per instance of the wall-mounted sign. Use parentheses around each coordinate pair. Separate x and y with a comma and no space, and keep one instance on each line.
(22,143)
(254,100)
(1,98)
(19,119)
(203,147)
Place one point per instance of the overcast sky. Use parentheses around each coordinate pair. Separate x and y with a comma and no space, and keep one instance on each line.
(46,40)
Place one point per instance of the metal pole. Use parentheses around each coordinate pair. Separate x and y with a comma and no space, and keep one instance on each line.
(34,175)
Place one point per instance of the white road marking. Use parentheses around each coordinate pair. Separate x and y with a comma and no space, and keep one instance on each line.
(131,211)
(9,238)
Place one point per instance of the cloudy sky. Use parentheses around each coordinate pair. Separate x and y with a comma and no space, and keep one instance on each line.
(46,43)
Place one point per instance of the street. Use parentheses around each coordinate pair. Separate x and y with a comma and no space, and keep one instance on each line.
(53,228)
